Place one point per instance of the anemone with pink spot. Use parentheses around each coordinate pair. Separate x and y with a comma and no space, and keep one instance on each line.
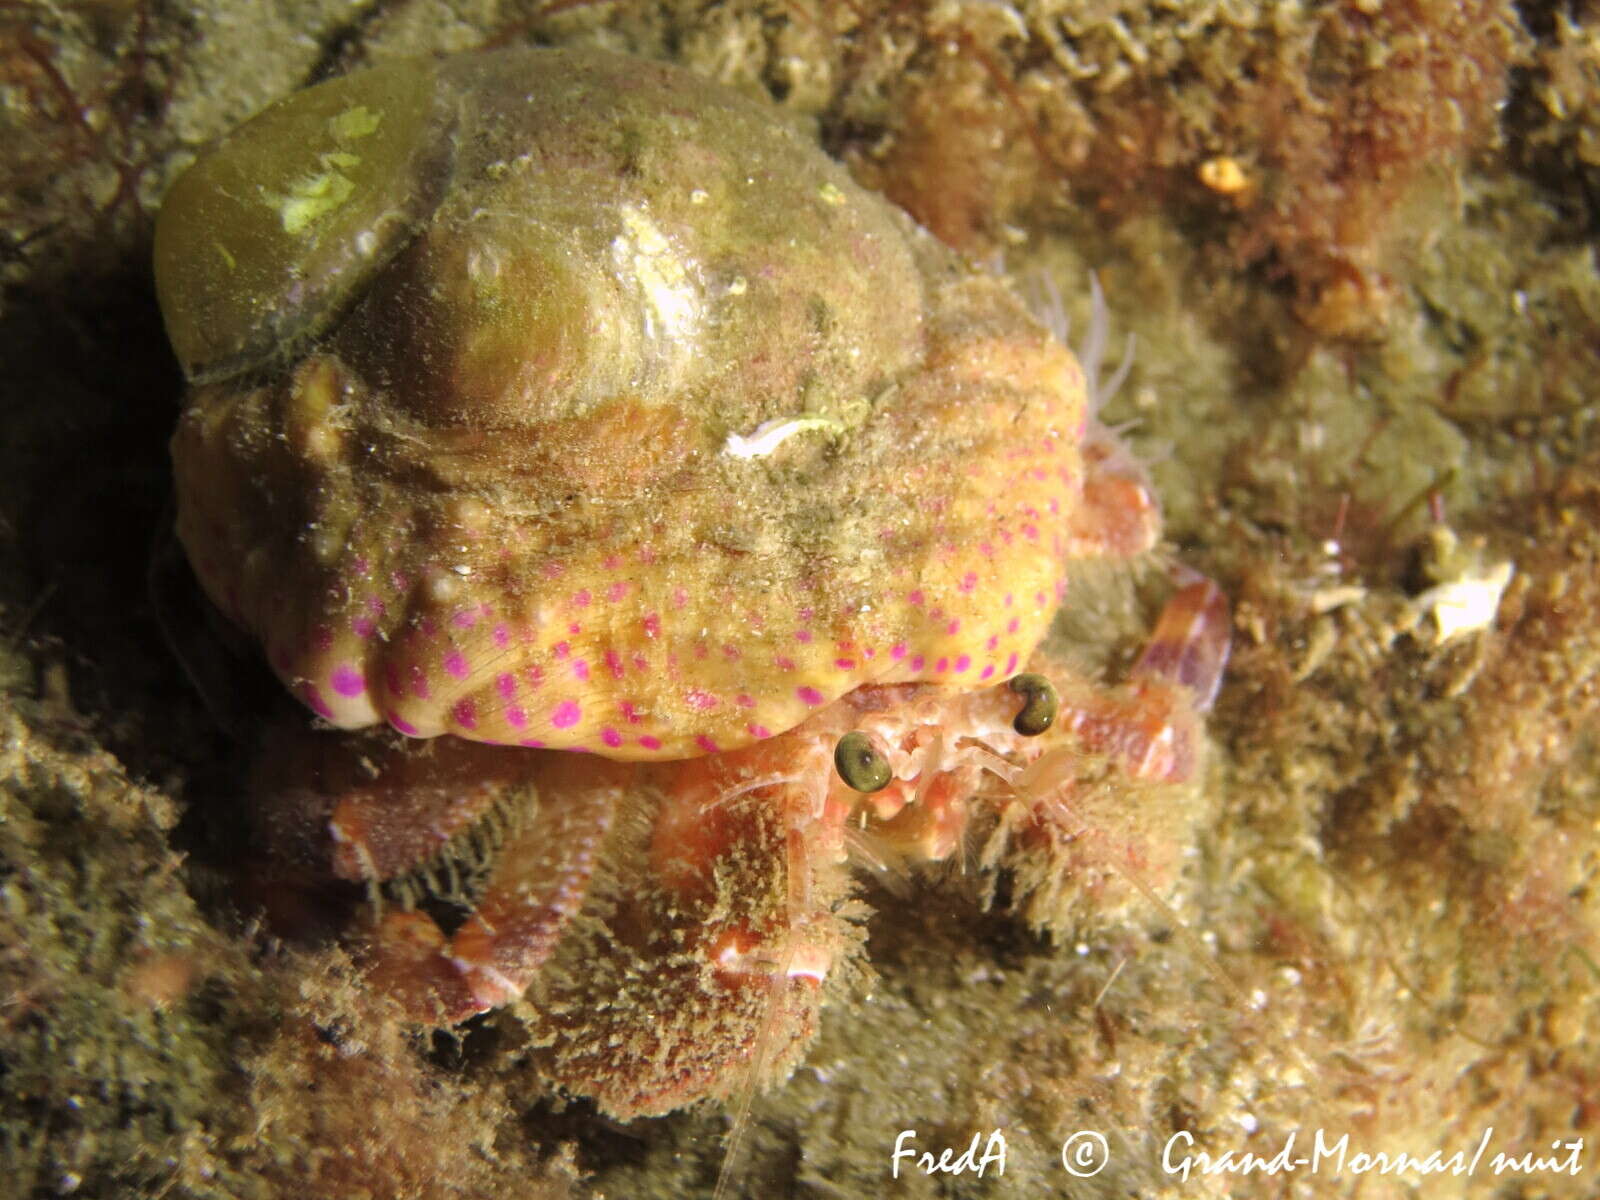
(433,424)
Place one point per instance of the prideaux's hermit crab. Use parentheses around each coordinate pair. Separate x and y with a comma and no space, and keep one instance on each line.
(583,412)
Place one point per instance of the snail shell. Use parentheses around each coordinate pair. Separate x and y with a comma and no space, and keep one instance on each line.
(561,399)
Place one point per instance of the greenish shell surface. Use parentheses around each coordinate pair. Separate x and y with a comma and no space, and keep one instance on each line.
(562,399)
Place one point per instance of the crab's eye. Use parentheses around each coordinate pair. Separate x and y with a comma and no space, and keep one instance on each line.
(1039,704)
(860,764)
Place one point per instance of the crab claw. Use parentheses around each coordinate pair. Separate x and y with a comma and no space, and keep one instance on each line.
(1191,640)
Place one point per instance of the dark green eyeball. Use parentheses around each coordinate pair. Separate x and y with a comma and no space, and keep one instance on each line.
(860,764)
(1039,704)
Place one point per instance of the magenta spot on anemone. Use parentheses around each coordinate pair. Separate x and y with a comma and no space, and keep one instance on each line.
(1010,599)
(400,723)
(630,711)
(969,582)
(580,668)
(700,701)
(465,619)
(561,649)
(1039,599)
(611,737)
(323,637)
(845,664)
(612,562)
(917,663)
(531,743)
(641,663)
(802,635)
(744,701)
(347,681)
(399,580)
(362,627)
(456,664)
(574,629)
(705,743)
(679,597)
(466,713)
(616,591)
(897,651)
(360,565)
(419,682)
(1013,625)
(783,663)
(581,598)
(566,714)
(915,598)
(315,701)
(650,743)
(652,625)
(506,682)
(502,637)
(953,628)
(614,664)
(553,570)
(534,675)
(809,695)
(700,650)
(759,731)
(516,718)
(1011,663)
(986,549)
(428,627)
(963,662)
(731,653)
(391,679)
(942,666)
(993,643)
(987,671)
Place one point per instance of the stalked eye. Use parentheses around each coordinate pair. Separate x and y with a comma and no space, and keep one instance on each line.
(1039,704)
(860,764)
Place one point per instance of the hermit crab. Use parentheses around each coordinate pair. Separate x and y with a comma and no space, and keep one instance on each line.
(684,520)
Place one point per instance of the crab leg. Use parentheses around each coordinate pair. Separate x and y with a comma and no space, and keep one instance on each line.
(540,879)
(1191,640)
(1152,725)
(422,798)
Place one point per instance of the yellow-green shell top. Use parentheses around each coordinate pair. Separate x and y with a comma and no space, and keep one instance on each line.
(563,399)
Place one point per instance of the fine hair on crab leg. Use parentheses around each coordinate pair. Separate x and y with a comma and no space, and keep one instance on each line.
(782,975)
(451,789)
(539,881)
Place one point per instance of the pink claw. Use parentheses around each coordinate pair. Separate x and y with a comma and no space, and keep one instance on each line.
(1191,640)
